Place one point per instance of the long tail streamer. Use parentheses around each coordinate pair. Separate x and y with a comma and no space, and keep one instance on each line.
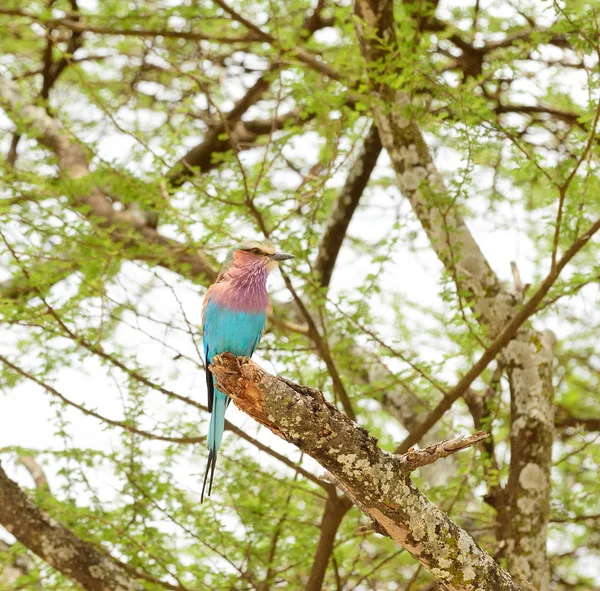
(215,436)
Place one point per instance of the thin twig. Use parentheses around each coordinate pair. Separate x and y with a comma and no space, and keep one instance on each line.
(505,336)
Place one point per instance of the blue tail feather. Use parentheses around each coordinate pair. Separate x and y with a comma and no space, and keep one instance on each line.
(238,332)
(215,436)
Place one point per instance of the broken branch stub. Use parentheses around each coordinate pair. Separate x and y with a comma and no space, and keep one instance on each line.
(414,459)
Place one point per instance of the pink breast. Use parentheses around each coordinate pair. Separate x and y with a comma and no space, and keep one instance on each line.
(248,298)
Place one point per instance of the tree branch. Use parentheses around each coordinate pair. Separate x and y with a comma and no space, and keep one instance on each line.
(89,27)
(201,156)
(503,339)
(345,206)
(126,425)
(303,55)
(58,546)
(36,471)
(415,459)
(379,482)
(563,420)
(526,354)
(122,227)
(335,509)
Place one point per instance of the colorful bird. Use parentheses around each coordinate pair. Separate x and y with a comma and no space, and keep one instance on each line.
(233,319)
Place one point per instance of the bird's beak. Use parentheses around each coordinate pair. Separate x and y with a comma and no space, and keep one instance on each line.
(282,256)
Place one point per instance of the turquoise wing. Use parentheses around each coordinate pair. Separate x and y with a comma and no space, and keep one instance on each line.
(229,330)
(238,333)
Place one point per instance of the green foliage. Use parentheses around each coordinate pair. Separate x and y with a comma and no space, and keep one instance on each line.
(113,324)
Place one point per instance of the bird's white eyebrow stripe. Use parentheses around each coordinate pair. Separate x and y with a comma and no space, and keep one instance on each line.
(264,247)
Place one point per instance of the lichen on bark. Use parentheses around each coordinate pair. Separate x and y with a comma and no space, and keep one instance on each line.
(58,546)
(379,483)
(529,369)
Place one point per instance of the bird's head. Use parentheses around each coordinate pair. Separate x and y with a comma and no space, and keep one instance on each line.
(254,254)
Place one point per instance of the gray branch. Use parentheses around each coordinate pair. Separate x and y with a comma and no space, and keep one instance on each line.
(127,228)
(57,545)
(379,483)
(528,356)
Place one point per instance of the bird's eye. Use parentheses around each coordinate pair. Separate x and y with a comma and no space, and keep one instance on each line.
(256,251)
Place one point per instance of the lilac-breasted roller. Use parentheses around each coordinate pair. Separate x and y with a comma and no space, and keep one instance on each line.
(233,319)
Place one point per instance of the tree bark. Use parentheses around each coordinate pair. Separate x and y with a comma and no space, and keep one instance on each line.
(57,545)
(335,510)
(528,359)
(377,482)
(528,356)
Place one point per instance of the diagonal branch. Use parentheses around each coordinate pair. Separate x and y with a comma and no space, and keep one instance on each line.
(420,181)
(123,227)
(201,156)
(126,425)
(58,546)
(230,132)
(503,339)
(345,206)
(379,482)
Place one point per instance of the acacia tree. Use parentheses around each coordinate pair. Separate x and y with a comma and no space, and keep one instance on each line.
(405,154)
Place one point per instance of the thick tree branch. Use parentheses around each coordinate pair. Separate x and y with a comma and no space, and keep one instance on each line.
(53,69)
(230,132)
(201,157)
(58,546)
(380,482)
(225,136)
(345,206)
(526,354)
(123,227)
(335,510)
